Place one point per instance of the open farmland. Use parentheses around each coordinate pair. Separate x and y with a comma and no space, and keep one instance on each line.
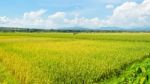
(65,58)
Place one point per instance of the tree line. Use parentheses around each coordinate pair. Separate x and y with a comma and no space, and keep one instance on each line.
(12,29)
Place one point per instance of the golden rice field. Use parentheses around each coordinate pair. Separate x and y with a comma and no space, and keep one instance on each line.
(64,58)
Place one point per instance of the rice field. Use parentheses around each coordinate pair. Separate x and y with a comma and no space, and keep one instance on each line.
(65,58)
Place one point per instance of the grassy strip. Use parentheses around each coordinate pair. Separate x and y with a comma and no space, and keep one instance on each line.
(138,72)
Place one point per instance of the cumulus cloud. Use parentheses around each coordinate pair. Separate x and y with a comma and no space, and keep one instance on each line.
(4,20)
(84,22)
(29,19)
(57,15)
(131,14)
(56,20)
(126,15)
(34,14)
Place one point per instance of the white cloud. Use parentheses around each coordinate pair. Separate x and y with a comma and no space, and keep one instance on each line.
(58,19)
(131,14)
(125,15)
(33,18)
(4,20)
(29,19)
(34,14)
(57,15)
(84,22)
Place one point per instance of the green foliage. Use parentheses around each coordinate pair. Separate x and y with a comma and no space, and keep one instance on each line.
(138,73)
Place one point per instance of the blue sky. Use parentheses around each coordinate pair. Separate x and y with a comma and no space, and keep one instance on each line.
(83,11)
(87,8)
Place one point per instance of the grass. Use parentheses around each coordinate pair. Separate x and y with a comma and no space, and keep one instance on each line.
(64,58)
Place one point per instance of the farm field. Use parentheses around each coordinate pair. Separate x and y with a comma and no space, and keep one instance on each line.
(65,58)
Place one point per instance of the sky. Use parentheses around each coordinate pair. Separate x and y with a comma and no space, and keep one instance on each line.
(74,13)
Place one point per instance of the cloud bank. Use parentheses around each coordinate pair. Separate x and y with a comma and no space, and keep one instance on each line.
(129,14)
